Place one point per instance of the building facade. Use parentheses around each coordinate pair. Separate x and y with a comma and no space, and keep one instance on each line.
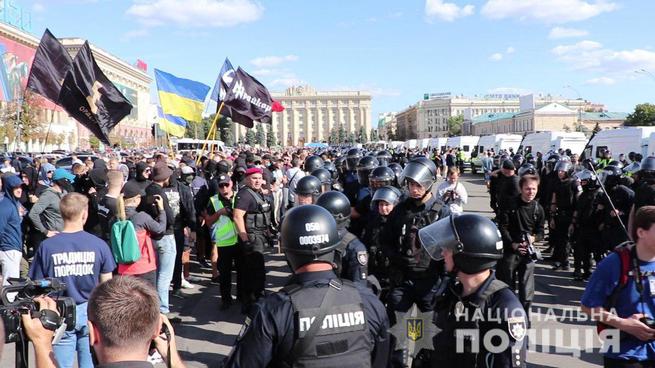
(407,123)
(310,115)
(386,125)
(52,128)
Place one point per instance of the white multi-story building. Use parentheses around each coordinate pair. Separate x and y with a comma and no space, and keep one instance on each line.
(310,115)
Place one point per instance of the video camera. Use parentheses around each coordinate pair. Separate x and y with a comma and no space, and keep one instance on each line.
(23,303)
(533,253)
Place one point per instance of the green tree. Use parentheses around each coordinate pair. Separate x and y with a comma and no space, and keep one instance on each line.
(374,135)
(334,136)
(225,128)
(455,125)
(352,138)
(242,139)
(361,137)
(644,115)
(260,137)
(341,134)
(271,140)
(251,137)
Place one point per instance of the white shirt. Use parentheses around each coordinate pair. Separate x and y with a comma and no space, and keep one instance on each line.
(293,175)
(456,205)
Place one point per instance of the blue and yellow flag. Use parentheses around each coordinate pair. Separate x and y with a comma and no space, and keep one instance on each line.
(181,97)
(172,125)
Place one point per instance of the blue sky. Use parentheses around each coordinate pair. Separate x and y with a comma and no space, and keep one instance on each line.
(397,50)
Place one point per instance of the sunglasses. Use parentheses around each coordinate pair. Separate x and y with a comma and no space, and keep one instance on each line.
(223,185)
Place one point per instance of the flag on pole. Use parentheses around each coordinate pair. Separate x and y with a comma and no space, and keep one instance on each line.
(91,98)
(172,125)
(226,75)
(181,97)
(249,100)
(49,68)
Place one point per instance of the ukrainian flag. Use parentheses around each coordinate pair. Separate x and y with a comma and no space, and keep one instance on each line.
(172,125)
(181,97)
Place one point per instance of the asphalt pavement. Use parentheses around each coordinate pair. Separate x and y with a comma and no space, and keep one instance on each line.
(558,338)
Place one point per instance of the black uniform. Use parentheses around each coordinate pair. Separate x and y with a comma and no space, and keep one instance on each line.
(257,221)
(644,195)
(520,220)
(454,314)
(351,258)
(565,194)
(586,221)
(378,263)
(351,186)
(413,274)
(502,190)
(612,233)
(354,332)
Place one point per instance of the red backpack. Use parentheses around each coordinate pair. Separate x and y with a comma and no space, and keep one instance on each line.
(626,251)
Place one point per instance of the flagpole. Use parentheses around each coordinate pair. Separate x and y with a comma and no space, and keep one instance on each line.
(212,130)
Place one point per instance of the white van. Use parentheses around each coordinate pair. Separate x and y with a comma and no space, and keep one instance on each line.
(438,143)
(621,140)
(423,143)
(553,141)
(496,141)
(411,144)
(466,143)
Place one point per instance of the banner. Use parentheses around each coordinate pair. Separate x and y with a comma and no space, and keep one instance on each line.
(249,100)
(49,68)
(181,97)
(91,98)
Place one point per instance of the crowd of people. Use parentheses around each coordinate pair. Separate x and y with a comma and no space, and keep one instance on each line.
(367,235)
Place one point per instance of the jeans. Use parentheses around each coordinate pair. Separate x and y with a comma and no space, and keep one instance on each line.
(165,264)
(75,341)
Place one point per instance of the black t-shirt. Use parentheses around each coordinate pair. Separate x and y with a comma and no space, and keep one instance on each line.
(107,210)
(245,200)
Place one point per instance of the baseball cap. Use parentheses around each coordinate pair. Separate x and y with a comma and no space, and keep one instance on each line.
(63,174)
(224,179)
(132,189)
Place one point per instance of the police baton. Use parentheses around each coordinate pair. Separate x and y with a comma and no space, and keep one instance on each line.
(610,200)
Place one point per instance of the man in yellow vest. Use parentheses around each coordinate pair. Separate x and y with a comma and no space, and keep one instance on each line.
(224,237)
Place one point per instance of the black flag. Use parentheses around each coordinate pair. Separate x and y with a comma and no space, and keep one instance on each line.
(91,98)
(248,100)
(49,68)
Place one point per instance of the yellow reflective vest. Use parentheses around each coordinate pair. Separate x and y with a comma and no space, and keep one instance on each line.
(223,231)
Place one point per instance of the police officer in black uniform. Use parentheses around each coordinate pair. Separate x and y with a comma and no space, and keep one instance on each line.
(471,245)
(317,320)
(413,274)
(645,187)
(312,163)
(612,232)
(562,205)
(252,217)
(350,182)
(585,223)
(307,190)
(351,257)
(504,187)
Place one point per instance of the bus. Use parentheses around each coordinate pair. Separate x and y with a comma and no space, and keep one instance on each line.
(190,144)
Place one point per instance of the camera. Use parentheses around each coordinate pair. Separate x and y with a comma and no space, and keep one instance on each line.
(23,303)
(533,253)
(648,322)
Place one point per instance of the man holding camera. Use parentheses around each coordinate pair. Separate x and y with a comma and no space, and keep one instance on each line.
(82,261)
(520,225)
(621,295)
(124,321)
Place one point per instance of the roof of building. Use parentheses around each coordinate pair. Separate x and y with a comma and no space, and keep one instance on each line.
(486,118)
(604,115)
(554,108)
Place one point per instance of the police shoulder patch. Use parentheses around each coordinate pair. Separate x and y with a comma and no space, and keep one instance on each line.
(362,258)
(517,327)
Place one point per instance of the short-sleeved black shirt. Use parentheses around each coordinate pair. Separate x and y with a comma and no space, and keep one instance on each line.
(245,201)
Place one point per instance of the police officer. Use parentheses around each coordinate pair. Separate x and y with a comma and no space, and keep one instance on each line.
(612,232)
(584,225)
(350,183)
(317,320)
(520,226)
(504,187)
(325,178)
(384,157)
(252,217)
(351,257)
(397,170)
(645,188)
(312,163)
(470,245)
(562,205)
(548,179)
(307,190)
(413,274)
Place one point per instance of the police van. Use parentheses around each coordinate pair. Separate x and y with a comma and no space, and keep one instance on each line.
(620,140)
(497,142)
(553,141)
(438,143)
(466,144)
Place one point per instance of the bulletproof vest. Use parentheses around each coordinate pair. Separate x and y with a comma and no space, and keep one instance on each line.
(330,327)
(351,186)
(258,220)
(411,253)
(564,195)
(587,203)
(340,251)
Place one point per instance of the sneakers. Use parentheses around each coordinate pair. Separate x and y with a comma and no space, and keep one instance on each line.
(186,285)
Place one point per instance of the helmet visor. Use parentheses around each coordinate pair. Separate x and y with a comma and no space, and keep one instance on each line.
(438,236)
(418,173)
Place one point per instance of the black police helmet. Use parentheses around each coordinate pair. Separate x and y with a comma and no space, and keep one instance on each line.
(365,165)
(615,163)
(352,158)
(384,157)
(308,234)
(474,240)
(381,176)
(397,170)
(337,204)
(323,175)
(565,166)
(517,160)
(508,165)
(312,163)
(647,165)
(329,166)
(587,178)
(308,185)
(388,194)
(421,170)
(527,169)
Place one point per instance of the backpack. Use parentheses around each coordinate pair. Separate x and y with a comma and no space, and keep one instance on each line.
(124,242)
(625,252)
